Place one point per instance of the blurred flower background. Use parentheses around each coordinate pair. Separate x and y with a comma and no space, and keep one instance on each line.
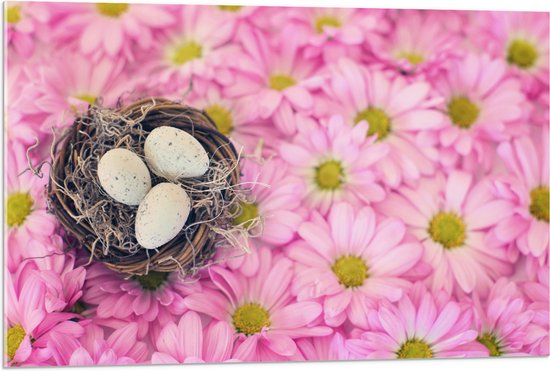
(406,157)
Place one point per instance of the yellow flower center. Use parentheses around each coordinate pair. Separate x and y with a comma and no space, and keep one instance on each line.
(490,341)
(326,20)
(250,319)
(447,229)
(415,349)
(463,112)
(329,175)
(379,121)
(90,99)
(19,207)
(186,52)
(522,53)
(113,10)
(412,57)
(249,212)
(350,270)
(230,8)
(152,281)
(221,117)
(14,338)
(13,14)
(539,203)
(281,82)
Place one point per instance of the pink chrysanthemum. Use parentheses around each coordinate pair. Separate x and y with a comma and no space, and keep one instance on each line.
(420,325)
(335,161)
(527,188)
(538,293)
(397,113)
(188,342)
(260,309)
(349,259)
(23,24)
(451,217)
(325,348)
(482,104)
(502,320)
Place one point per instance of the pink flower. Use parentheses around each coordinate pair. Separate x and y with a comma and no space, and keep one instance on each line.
(538,332)
(350,259)
(399,115)
(483,104)
(420,325)
(24,22)
(113,29)
(527,188)
(120,348)
(452,218)
(325,348)
(502,320)
(188,342)
(260,309)
(334,161)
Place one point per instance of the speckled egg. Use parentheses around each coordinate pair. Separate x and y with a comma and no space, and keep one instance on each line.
(124,176)
(173,154)
(161,215)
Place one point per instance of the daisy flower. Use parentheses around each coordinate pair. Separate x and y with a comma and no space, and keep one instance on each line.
(528,162)
(452,217)
(350,259)
(482,104)
(23,25)
(397,113)
(502,320)
(420,325)
(334,161)
(325,348)
(538,294)
(188,342)
(260,309)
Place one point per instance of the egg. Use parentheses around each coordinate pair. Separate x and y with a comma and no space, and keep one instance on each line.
(124,176)
(173,154)
(161,215)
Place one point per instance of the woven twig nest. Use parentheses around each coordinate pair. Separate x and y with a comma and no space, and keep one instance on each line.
(103,226)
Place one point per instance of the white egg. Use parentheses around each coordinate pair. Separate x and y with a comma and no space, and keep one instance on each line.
(124,176)
(161,215)
(172,154)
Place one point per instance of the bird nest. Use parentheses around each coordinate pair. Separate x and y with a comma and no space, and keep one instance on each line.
(106,227)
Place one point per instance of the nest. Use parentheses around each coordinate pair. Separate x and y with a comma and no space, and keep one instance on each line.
(105,227)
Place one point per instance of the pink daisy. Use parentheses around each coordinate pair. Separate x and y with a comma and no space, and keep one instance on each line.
(113,29)
(452,217)
(420,325)
(24,22)
(188,342)
(334,161)
(260,309)
(325,348)
(399,114)
(538,294)
(528,162)
(502,320)
(349,260)
(482,104)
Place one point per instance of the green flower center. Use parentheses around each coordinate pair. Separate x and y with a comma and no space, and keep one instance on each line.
(379,122)
(326,20)
(281,82)
(78,307)
(230,8)
(411,57)
(522,53)
(250,319)
(539,203)
(152,281)
(447,229)
(249,212)
(186,52)
(329,175)
(113,10)
(90,99)
(19,207)
(491,343)
(463,112)
(350,270)
(415,349)
(13,14)
(221,117)
(14,338)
